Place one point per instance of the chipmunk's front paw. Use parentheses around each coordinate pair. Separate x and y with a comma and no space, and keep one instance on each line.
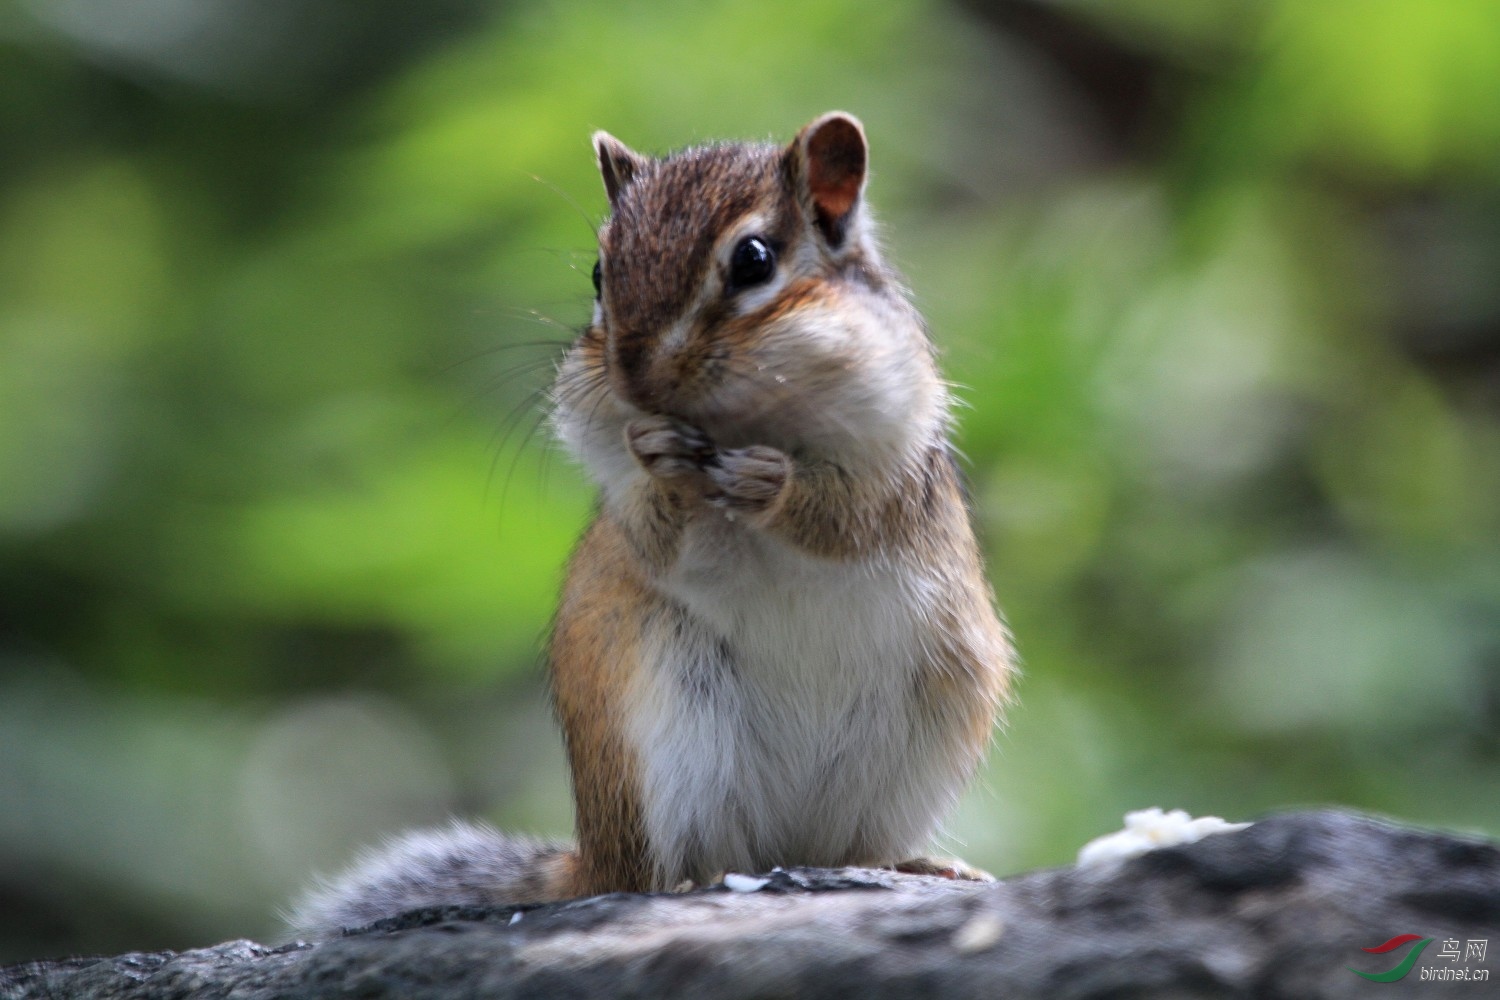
(668,448)
(748,480)
(944,868)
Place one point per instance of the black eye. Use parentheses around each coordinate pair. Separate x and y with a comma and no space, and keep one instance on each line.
(598,280)
(752,263)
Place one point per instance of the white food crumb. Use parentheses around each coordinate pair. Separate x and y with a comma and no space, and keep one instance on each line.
(1148,829)
(979,934)
(744,883)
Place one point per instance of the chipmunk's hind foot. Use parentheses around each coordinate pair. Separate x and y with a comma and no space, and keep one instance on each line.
(943,868)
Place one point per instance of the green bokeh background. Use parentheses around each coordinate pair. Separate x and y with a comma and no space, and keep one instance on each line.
(281,280)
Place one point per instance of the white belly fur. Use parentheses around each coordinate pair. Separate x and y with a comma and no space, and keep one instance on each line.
(775,719)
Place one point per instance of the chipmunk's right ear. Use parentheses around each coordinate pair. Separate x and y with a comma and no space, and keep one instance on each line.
(827,161)
(618,164)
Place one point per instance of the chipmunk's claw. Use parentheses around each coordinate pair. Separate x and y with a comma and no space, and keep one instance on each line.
(951,868)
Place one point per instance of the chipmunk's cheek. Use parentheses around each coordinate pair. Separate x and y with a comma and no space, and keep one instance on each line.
(813,355)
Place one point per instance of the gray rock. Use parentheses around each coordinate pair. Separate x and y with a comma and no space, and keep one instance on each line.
(1280,910)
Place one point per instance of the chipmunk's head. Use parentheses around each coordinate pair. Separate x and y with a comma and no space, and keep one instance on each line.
(739,288)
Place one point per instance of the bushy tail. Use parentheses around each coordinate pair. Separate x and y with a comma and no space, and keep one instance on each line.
(464,864)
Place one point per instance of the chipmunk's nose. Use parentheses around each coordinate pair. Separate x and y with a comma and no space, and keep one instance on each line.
(630,364)
(628,353)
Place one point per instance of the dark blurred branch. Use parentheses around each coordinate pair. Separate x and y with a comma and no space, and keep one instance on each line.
(1137,94)
(1281,909)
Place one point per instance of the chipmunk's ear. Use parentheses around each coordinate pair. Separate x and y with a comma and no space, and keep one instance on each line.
(618,164)
(827,161)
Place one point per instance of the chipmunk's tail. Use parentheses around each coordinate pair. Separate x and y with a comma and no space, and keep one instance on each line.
(464,864)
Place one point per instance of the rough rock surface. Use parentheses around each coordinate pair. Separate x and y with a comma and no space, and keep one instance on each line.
(1280,910)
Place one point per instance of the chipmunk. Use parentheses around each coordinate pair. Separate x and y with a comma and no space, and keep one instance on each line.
(775,644)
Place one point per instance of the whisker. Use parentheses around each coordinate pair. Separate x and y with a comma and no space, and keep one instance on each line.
(499,381)
(599,387)
(513,416)
(533,315)
(588,220)
(551,345)
(505,431)
(541,418)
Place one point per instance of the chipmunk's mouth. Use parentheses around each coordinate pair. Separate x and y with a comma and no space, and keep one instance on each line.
(740,423)
(732,399)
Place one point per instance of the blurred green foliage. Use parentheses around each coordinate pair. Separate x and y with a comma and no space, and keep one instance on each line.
(281,284)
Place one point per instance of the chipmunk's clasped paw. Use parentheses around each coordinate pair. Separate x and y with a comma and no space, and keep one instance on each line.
(738,480)
(748,480)
(667,448)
